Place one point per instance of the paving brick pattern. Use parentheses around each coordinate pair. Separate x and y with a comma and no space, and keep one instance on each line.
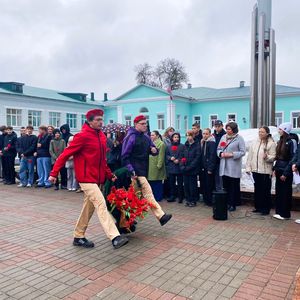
(193,257)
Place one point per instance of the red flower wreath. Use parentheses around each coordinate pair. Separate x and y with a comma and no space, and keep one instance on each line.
(130,203)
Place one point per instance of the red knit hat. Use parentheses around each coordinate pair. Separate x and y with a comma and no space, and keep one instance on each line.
(139,118)
(94,113)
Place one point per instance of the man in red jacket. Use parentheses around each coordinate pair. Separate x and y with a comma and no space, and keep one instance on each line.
(88,149)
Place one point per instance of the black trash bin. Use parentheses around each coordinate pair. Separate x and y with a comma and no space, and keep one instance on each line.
(220,205)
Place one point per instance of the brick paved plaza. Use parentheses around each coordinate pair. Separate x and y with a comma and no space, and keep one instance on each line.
(192,257)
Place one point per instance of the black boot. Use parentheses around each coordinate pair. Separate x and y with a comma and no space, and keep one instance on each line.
(83,242)
(165,219)
(119,241)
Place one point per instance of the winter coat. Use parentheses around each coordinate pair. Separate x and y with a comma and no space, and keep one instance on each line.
(190,162)
(9,142)
(232,166)
(157,168)
(26,145)
(65,136)
(57,146)
(256,161)
(114,150)
(136,149)
(198,137)
(208,155)
(43,151)
(89,153)
(284,157)
(176,150)
(218,137)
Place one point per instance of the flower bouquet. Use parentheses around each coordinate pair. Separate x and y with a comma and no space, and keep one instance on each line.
(130,203)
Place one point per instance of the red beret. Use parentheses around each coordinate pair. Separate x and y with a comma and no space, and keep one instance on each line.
(139,118)
(94,113)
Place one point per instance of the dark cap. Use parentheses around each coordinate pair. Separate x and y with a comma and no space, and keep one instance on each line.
(218,122)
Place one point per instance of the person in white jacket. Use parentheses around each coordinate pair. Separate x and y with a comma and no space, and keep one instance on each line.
(260,160)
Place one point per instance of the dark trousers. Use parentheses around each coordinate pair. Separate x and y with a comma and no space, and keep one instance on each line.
(207,185)
(232,186)
(284,192)
(262,192)
(190,188)
(166,187)
(157,189)
(8,164)
(172,181)
(63,177)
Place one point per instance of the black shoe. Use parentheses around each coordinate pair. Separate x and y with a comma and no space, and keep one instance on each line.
(192,204)
(187,204)
(180,200)
(63,187)
(171,199)
(165,219)
(232,208)
(83,242)
(119,241)
(255,211)
(124,230)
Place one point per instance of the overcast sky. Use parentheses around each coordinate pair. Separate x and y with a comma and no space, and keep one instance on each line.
(93,45)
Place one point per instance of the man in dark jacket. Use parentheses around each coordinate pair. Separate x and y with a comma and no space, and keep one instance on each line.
(9,153)
(26,147)
(189,165)
(88,149)
(65,135)
(43,157)
(137,146)
(218,133)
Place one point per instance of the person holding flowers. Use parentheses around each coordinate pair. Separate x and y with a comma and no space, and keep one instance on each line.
(137,146)
(189,165)
(88,149)
(174,153)
(230,150)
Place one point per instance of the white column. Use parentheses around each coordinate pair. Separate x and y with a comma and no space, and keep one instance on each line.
(171,114)
(120,114)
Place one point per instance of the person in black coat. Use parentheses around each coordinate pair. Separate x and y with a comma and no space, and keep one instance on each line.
(189,165)
(9,153)
(2,135)
(218,133)
(65,134)
(283,173)
(207,165)
(174,153)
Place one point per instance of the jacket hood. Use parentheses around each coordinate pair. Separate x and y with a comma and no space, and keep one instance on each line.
(65,127)
(177,133)
(210,139)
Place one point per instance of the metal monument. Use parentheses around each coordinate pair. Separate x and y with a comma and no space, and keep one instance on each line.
(263,66)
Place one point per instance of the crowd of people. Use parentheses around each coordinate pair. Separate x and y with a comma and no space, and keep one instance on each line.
(190,170)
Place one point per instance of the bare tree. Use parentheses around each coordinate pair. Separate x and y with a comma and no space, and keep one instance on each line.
(171,73)
(168,73)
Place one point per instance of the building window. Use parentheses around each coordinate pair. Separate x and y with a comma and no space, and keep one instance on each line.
(72,120)
(197,119)
(186,124)
(83,119)
(278,118)
(231,118)
(54,119)
(178,121)
(160,121)
(34,118)
(212,120)
(144,110)
(296,119)
(128,120)
(13,117)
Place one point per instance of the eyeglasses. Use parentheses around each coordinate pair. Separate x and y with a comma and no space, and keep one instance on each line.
(143,123)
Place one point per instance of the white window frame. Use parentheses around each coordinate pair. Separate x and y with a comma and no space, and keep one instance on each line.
(186,123)
(76,120)
(83,119)
(227,117)
(291,118)
(129,121)
(57,118)
(17,115)
(178,122)
(194,121)
(211,125)
(161,121)
(282,114)
(36,119)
